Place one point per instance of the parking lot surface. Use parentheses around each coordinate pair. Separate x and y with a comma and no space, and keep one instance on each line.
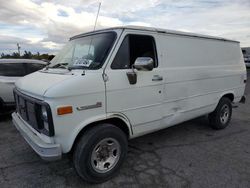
(187,155)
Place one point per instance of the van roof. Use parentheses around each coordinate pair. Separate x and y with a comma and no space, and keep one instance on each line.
(22,61)
(158,30)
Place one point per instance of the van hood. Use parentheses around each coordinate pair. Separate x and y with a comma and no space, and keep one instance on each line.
(61,83)
(39,82)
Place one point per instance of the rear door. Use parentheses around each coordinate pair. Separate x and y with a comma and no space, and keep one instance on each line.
(141,103)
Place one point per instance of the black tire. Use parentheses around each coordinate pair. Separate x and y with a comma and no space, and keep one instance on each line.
(82,156)
(216,117)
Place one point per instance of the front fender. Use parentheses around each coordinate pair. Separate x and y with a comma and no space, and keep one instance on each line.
(67,144)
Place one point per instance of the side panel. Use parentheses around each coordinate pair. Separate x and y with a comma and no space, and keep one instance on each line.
(197,73)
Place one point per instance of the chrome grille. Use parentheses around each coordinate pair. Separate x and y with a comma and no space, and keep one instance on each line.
(27,110)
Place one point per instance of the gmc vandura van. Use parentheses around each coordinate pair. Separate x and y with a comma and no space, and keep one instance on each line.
(108,86)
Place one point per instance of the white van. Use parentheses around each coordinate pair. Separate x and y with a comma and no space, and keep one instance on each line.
(10,71)
(108,86)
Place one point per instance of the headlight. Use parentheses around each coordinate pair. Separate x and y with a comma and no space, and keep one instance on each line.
(44,113)
(46,125)
(45,118)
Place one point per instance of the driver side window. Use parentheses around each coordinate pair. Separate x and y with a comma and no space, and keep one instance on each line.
(132,47)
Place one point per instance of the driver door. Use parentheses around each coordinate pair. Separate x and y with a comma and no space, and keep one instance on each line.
(141,102)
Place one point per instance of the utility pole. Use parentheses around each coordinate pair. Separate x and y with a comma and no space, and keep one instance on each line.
(18,48)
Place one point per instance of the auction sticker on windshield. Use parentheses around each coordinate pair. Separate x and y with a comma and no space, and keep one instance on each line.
(83,62)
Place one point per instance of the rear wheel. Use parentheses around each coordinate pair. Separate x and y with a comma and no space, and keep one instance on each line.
(100,153)
(220,118)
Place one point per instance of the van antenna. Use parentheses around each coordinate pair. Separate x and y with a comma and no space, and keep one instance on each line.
(99,7)
(96,19)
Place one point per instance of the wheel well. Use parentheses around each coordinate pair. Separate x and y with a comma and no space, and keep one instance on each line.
(229,96)
(114,121)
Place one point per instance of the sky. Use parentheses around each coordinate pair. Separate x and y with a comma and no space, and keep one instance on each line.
(45,26)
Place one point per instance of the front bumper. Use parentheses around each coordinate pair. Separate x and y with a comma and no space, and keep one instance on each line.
(48,152)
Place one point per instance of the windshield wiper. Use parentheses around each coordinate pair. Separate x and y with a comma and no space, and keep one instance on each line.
(77,67)
(60,65)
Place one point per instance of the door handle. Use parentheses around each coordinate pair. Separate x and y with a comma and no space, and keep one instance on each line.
(157,78)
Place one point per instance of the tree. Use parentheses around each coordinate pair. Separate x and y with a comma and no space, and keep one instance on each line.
(27,55)
(15,55)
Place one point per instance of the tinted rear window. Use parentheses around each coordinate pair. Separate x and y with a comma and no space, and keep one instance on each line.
(32,67)
(12,69)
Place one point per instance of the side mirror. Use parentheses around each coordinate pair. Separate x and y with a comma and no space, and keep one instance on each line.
(144,64)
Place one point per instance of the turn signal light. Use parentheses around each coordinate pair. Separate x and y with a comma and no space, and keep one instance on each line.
(64,110)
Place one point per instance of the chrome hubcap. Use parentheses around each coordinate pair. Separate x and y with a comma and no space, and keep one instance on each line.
(224,115)
(105,155)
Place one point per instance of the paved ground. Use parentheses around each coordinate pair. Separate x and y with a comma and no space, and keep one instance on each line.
(187,155)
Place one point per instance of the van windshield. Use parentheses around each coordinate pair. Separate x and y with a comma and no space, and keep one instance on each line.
(88,52)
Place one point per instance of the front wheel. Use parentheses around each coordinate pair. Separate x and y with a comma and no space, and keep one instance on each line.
(100,153)
(220,118)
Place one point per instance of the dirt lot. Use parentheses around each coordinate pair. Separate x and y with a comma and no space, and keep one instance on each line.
(187,155)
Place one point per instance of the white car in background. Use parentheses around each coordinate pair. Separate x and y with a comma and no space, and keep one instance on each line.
(10,71)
